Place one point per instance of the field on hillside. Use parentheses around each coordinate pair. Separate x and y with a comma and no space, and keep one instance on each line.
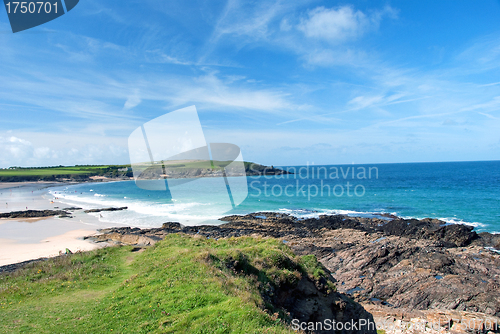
(52,173)
(60,170)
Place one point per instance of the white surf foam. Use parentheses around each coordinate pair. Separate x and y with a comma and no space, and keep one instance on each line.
(141,213)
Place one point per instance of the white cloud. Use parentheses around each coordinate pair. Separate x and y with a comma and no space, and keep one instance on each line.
(132,101)
(340,24)
(327,36)
(21,152)
(334,24)
(16,149)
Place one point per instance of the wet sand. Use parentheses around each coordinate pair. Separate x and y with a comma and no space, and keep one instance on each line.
(24,239)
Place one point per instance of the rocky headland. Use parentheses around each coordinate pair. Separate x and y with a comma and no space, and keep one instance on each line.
(424,275)
(182,171)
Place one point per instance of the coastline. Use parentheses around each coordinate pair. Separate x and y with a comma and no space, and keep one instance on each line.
(20,196)
(23,239)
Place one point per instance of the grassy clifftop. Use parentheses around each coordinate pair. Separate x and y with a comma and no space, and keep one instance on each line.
(18,174)
(182,284)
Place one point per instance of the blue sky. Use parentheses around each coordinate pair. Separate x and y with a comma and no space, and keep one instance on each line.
(289,82)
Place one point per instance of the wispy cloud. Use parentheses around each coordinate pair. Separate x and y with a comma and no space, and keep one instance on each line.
(491,84)
(248,20)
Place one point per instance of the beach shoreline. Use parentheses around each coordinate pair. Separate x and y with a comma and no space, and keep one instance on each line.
(23,239)
(44,195)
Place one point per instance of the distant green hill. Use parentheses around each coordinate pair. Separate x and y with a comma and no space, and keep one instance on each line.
(84,172)
(16,174)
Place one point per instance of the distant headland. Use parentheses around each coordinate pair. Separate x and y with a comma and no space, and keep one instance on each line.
(99,173)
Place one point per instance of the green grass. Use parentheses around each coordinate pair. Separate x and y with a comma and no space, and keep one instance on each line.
(42,172)
(181,285)
(59,172)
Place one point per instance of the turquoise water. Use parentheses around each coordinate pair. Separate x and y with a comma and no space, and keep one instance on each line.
(457,192)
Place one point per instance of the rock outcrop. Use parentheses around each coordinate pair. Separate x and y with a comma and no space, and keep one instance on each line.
(34,214)
(106,209)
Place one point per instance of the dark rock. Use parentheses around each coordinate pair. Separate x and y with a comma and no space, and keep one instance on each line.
(120,230)
(106,209)
(308,304)
(171,226)
(486,239)
(34,214)
(454,235)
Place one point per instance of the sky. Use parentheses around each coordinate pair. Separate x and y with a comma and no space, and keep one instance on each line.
(290,82)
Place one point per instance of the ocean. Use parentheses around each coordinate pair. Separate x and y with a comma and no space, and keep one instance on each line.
(456,192)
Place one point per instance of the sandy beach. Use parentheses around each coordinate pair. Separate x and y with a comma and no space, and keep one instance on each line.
(24,239)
